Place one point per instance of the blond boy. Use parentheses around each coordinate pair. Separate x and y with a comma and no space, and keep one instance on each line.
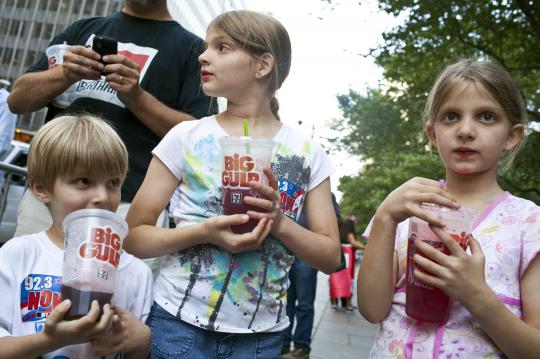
(74,162)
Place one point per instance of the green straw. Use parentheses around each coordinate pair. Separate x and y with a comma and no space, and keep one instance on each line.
(246,133)
(246,129)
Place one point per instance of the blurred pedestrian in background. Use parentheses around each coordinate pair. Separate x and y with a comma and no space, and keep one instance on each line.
(301,302)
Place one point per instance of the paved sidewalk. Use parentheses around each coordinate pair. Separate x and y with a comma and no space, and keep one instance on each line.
(337,334)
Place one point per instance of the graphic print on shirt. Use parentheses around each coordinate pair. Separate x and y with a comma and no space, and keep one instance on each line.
(293,174)
(100,89)
(253,282)
(40,294)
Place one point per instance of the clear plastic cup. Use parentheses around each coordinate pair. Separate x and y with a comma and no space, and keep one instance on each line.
(92,247)
(55,57)
(424,302)
(243,161)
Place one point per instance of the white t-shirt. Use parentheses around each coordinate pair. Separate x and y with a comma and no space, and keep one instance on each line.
(205,285)
(30,287)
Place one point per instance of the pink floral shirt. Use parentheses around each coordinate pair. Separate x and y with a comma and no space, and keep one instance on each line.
(509,233)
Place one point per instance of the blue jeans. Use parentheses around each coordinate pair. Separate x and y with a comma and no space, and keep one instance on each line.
(174,338)
(301,304)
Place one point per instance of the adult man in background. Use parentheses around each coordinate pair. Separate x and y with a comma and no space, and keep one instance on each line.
(152,84)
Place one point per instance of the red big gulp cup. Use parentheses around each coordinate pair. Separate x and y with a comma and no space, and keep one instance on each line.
(92,247)
(243,161)
(424,302)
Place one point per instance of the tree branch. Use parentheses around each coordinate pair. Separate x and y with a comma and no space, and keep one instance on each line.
(483,49)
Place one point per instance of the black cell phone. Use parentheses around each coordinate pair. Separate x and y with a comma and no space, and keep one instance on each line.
(105,45)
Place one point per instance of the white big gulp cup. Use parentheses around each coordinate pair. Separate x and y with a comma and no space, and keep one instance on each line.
(55,57)
(244,159)
(92,247)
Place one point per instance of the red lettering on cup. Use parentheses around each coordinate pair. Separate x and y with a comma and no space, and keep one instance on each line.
(237,171)
(103,245)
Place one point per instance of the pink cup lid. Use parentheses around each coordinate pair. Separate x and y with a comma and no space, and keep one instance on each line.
(445,212)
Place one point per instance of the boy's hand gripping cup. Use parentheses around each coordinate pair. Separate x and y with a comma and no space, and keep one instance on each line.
(243,161)
(92,247)
(424,302)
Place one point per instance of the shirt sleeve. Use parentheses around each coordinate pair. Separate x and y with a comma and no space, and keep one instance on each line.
(148,295)
(170,150)
(321,167)
(530,237)
(7,291)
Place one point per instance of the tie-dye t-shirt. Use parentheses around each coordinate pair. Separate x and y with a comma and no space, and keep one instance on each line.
(205,285)
(509,233)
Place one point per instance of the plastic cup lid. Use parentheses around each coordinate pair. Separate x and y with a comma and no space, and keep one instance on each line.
(230,140)
(463,213)
(96,212)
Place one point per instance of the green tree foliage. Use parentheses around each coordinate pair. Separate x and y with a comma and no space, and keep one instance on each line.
(384,128)
(388,138)
(437,33)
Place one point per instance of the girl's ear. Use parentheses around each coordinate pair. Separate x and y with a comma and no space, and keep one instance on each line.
(429,129)
(264,65)
(40,192)
(514,136)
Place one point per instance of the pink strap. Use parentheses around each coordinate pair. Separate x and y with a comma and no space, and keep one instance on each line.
(509,300)
(410,340)
(438,341)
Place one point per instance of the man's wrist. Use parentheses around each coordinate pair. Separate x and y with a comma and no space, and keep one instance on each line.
(60,73)
(133,98)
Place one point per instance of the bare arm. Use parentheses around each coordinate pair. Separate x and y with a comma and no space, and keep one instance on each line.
(378,271)
(354,242)
(33,91)
(318,246)
(516,338)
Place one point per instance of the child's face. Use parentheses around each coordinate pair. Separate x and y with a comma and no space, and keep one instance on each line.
(226,69)
(471,130)
(81,191)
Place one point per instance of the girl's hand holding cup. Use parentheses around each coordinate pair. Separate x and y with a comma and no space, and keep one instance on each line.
(270,205)
(218,230)
(405,201)
(458,274)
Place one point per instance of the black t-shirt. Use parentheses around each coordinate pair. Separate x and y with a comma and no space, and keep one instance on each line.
(346,228)
(167,55)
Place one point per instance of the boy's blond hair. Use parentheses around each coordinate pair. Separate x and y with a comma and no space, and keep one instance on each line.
(75,143)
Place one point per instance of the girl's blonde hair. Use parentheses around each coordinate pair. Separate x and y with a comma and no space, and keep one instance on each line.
(257,34)
(70,144)
(492,78)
